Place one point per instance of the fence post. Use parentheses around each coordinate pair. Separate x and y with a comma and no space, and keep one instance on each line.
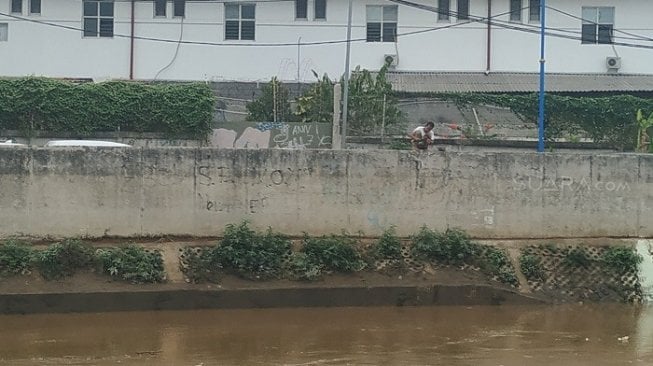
(336,138)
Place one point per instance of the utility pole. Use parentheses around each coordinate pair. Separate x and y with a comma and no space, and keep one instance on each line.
(540,117)
(345,102)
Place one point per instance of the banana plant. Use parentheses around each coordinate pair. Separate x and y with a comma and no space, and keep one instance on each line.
(643,138)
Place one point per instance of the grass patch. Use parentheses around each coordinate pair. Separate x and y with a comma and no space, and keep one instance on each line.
(15,258)
(133,264)
(64,259)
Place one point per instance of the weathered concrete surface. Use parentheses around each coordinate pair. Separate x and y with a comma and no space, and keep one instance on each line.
(97,192)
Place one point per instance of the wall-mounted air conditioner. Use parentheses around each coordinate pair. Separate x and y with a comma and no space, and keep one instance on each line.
(613,63)
(392,60)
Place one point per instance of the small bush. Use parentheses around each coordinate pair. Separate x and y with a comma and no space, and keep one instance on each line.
(250,254)
(400,144)
(388,246)
(531,267)
(335,253)
(577,258)
(621,259)
(15,258)
(495,262)
(63,259)
(133,264)
(300,267)
(453,246)
(506,275)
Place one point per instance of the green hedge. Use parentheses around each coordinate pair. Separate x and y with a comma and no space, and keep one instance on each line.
(39,104)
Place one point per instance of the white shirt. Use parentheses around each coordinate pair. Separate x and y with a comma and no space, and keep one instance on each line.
(421,133)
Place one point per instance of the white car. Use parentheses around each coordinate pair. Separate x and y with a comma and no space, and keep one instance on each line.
(76,143)
(11,143)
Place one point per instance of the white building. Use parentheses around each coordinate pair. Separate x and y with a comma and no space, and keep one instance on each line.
(254,40)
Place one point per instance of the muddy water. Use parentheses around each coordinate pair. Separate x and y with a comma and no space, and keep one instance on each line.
(553,335)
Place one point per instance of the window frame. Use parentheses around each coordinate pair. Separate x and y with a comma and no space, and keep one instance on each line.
(14,4)
(531,15)
(515,15)
(175,8)
(305,4)
(382,24)
(5,33)
(460,11)
(240,21)
(315,12)
(444,16)
(98,17)
(156,4)
(596,25)
(31,6)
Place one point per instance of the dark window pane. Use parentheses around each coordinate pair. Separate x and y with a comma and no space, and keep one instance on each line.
(248,11)
(160,8)
(106,9)
(534,10)
(90,27)
(320,9)
(231,11)
(90,8)
(16,6)
(463,9)
(374,32)
(232,29)
(515,10)
(179,8)
(389,32)
(605,33)
(589,33)
(35,6)
(443,9)
(248,30)
(301,9)
(106,27)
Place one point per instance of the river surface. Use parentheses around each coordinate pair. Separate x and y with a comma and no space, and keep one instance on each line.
(563,335)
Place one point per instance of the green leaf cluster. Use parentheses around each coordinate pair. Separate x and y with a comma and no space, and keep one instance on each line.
(15,258)
(132,263)
(38,104)
(531,266)
(621,259)
(272,106)
(388,246)
(251,254)
(452,246)
(64,259)
(333,253)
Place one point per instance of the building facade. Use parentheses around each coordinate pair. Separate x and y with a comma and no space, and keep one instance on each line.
(256,40)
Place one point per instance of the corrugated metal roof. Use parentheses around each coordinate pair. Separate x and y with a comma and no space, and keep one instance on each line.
(504,82)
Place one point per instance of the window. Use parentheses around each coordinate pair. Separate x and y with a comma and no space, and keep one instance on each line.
(444,9)
(179,8)
(160,8)
(4,32)
(463,9)
(16,6)
(98,18)
(240,21)
(320,9)
(301,9)
(515,10)
(598,24)
(35,6)
(381,23)
(534,10)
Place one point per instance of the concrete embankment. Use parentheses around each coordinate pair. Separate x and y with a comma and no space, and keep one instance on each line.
(95,192)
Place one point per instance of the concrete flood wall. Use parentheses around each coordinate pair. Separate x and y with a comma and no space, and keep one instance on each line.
(96,192)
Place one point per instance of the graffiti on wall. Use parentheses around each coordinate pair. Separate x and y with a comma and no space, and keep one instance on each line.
(263,135)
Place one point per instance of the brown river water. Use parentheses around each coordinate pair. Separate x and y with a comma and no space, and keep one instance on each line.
(562,335)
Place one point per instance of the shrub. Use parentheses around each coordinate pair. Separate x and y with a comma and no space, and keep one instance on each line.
(133,264)
(531,267)
(250,254)
(64,259)
(388,246)
(495,262)
(15,258)
(335,252)
(452,246)
(621,259)
(200,266)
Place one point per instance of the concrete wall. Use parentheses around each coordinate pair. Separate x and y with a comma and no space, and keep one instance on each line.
(188,191)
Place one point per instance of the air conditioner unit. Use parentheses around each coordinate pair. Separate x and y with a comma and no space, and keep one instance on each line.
(391,60)
(613,63)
